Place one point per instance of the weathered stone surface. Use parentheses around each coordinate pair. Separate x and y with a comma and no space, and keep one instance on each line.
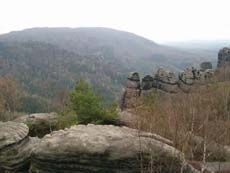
(224,57)
(145,93)
(166,81)
(134,76)
(187,76)
(132,84)
(132,93)
(131,102)
(15,147)
(165,76)
(147,83)
(97,148)
(206,76)
(186,80)
(11,133)
(205,66)
(40,124)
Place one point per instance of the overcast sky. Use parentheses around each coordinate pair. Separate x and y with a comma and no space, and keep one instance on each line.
(159,20)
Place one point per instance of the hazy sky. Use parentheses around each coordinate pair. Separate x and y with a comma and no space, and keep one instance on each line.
(159,20)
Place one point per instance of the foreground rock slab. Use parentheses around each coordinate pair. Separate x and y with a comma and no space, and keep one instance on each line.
(40,124)
(103,148)
(15,147)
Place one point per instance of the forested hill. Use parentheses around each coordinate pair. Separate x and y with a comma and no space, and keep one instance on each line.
(47,60)
(128,48)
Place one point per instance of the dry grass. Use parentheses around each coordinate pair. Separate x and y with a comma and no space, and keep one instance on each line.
(205,112)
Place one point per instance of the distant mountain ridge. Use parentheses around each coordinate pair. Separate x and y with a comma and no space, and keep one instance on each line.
(106,42)
(47,59)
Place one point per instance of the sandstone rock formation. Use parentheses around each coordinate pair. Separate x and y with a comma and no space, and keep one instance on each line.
(132,91)
(186,80)
(205,66)
(146,85)
(98,148)
(223,57)
(40,124)
(15,147)
(166,81)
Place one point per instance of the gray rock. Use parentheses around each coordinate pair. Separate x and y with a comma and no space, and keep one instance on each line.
(223,57)
(130,93)
(134,76)
(15,147)
(187,76)
(207,76)
(186,79)
(205,66)
(166,81)
(97,148)
(40,124)
(147,83)
(132,84)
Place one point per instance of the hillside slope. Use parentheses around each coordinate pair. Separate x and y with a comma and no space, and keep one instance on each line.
(45,60)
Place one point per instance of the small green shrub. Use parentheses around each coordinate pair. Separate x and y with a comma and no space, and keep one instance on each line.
(88,105)
(67,119)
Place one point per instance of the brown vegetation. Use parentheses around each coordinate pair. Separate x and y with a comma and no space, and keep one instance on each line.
(197,122)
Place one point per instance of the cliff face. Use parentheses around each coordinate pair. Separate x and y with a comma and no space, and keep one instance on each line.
(167,82)
(224,57)
(163,81)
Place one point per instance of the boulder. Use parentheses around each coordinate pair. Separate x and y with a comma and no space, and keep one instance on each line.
(15,147)
(133,80)
(207,76)
(205,66)
(147,83)
(40,124)
(131,92)
(134,76)
(186,79)
(223,57)
(104,148)
(187,76)
(132,84)
(166,81)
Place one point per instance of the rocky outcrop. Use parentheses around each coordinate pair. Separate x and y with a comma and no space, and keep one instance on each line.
(98,148)
(166,81)
(224,57)
(205,66)
(15,147)
(131,92)
(40,124)
(146,85)
(186,80)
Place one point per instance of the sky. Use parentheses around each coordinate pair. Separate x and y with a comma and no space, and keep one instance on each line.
(158,20)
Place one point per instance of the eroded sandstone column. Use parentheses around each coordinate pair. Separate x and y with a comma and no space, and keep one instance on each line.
(131,92)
